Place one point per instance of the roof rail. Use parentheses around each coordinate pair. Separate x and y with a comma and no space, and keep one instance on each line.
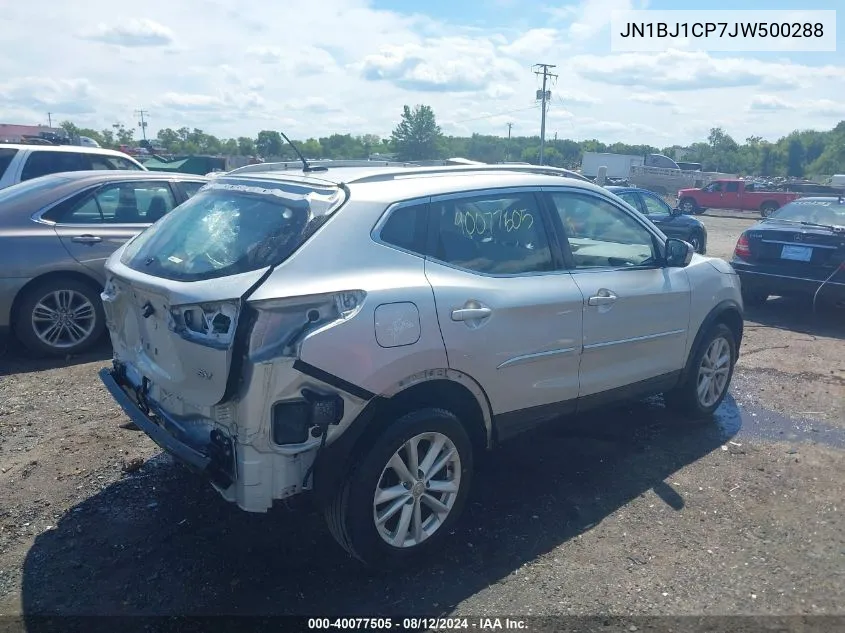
(464,168)
(296,165)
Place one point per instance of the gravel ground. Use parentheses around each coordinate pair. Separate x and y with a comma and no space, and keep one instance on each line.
(628,512)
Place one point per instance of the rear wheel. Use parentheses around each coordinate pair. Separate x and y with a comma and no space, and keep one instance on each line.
(768,208)
(401,499)
(709,375)
(60,316)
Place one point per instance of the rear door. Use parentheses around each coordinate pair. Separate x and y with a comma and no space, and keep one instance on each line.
(636,312)
(509,314)
(92,226)
(42,162)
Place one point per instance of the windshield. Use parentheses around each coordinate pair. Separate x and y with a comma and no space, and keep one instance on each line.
(827,212)
(229,227)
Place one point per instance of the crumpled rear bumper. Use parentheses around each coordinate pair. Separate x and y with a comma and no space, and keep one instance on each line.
(214,457)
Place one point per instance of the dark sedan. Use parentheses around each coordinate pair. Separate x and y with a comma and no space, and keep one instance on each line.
(798,250)
(671,221)
(56,233)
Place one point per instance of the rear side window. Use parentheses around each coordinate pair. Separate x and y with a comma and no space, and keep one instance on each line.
(232,227)
(120,203)
(406,228)
(191,187)
(500,234)
(44,162)
(6,156)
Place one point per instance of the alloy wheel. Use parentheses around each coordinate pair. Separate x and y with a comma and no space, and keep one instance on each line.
(417,490)
(713,372)
(63,318)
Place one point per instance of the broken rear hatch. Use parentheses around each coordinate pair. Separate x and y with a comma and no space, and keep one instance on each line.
(174,298)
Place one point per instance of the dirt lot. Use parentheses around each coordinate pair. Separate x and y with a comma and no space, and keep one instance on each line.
(631,513)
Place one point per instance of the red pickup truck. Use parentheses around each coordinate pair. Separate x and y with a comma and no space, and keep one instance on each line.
(733,194)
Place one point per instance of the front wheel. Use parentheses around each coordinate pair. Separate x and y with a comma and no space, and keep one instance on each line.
(709,375)
(688,206)
(406,492)
(697,241)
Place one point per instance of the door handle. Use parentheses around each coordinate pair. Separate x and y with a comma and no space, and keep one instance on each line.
(470,314)
(86,239)
(603,298)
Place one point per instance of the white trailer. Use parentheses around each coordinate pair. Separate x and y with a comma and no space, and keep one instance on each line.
(618,165)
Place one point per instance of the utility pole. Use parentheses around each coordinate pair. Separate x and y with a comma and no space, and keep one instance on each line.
(142,124)
(544,96)
(508,146)
(49,119)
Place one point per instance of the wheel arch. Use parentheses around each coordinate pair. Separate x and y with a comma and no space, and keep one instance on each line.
(439,388)
(728,312)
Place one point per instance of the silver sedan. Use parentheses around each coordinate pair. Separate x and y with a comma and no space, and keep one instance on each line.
(56,232)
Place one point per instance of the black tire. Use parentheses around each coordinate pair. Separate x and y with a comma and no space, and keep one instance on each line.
(684,398)
(350,515)
(768,208)
(688,205)
(752,297)
(23,317)
(697,241)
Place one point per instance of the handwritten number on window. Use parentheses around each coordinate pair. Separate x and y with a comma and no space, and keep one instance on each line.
(482,223)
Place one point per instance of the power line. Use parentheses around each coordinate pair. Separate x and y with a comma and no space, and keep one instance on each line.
(142,123)
(544,96)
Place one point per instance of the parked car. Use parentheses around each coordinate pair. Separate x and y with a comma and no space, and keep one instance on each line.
(19,163)
(56,233)
(671,221)
(364,333)
(798,250)
(733,194)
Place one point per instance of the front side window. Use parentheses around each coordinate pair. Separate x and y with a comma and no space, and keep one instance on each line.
(601,235)
(497,234)
(713,187)
(232,227)
(656,207)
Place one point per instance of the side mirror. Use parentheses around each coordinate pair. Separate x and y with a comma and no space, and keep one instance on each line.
(677,211)
(678,253)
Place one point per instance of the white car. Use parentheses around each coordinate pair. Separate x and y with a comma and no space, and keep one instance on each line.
(25,162)
(364,333)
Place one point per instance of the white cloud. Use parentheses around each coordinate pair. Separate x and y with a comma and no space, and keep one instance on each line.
(534,42)
(590,17)
(447,64)
(342,66)
(134,32)
(769,103)
(696,70)
(653,98)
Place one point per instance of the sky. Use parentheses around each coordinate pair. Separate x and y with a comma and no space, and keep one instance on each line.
(311,69)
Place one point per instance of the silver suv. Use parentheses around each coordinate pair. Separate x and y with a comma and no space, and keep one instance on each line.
(364,333)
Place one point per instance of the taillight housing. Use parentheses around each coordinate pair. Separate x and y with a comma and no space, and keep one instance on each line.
(742,248)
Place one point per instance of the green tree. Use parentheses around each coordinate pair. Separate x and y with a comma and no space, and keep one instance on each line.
(269,143)
(795,158)
(246,146)
(417,136)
